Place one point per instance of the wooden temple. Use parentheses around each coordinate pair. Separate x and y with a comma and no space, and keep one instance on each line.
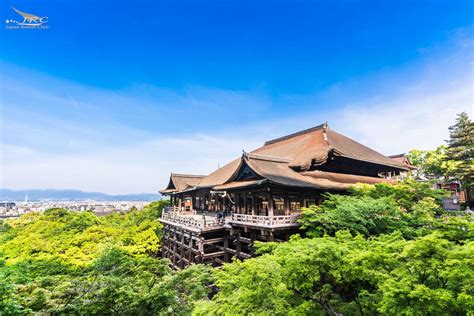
(259,196)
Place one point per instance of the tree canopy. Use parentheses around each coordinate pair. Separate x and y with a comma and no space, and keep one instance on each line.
(461,149)
(432,164)
(61,262)
(383,249)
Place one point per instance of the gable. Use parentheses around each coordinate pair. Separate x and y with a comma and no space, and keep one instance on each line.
(246,173)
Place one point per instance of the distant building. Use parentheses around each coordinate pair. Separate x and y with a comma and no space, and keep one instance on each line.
(259,195)
(456,194)
(404,160)
(7,205)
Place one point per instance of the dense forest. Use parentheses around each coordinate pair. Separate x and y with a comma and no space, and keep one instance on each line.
(383,249)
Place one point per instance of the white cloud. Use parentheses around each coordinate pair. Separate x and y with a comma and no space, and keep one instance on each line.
(143,167)
(411,121)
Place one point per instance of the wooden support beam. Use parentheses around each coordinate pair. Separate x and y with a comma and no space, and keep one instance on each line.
(228,250)
(219,261)
(245,240)
(212,241)
(213,254)
(245,255)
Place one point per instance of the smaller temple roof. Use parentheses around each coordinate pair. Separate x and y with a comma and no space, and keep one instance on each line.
(221,175)
(403,159)
(180,182)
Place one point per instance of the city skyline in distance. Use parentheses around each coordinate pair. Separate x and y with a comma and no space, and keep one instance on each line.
(35,195)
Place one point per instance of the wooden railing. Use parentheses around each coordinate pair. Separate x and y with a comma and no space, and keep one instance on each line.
(190,221)
(171,208)
(267,221)
(210,221)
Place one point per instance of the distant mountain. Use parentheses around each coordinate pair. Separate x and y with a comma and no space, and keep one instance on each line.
(72,195)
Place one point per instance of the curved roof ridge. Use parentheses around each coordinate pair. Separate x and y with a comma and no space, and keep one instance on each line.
(266,158)
(306,131)
(187,175)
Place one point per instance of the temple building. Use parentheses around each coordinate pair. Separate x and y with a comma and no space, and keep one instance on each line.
(259,196)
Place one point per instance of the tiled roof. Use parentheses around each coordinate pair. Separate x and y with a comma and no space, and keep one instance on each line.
(180,182)
(287,161)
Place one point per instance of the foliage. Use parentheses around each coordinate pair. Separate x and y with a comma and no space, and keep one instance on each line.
(452,162)
(350,275)
(461,148)
(406,194)
(76,238)
(377,209)
(61,262)
(432,164)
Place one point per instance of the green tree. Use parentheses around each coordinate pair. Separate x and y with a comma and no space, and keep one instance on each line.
(61,262)
(434,276)
(432,164)
(349,275)
(372,210)
(461,149)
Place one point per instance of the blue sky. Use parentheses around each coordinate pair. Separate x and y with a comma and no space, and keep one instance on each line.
(116,94)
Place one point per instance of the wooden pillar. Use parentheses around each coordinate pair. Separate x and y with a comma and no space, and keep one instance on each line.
(271,207)
(254,204)
(287,204)
(241,203)
(238,246)
(253,237)
(183,263)
(174,247)
(226,249)
(245,204)
(270,236)
(190,245)
(235,198)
